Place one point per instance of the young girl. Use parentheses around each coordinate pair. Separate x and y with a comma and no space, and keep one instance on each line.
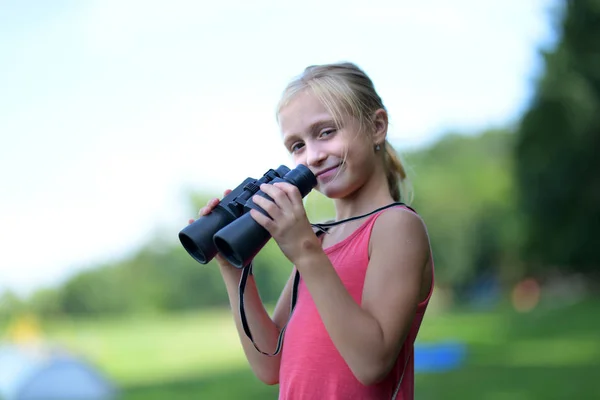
(364,284)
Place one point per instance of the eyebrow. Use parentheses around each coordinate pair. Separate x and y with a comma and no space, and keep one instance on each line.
(321,123)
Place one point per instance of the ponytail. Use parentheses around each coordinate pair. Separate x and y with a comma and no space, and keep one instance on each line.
(396,175)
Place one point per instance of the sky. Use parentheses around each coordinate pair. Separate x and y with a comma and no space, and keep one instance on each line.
(110,111)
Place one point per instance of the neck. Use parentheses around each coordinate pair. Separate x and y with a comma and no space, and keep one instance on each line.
(374,194)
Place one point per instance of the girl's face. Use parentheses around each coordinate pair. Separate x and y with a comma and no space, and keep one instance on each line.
(343,159)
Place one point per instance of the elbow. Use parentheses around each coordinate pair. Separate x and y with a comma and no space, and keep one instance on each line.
(267,377)
(374,373)
(368,378)
(270,382)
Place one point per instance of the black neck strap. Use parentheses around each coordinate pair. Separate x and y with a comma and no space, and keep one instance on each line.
(247,270)
(326,225)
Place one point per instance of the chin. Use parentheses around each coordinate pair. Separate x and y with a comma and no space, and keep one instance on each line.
(333,191)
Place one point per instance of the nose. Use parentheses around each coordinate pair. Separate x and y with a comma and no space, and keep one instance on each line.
(314,156)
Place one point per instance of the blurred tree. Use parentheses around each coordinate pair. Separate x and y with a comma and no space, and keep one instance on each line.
(558,170)
(10,305)
(46,302)
(96,291)
(465,192)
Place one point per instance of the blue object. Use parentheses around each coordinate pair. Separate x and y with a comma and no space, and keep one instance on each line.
(439,357)
(29,373)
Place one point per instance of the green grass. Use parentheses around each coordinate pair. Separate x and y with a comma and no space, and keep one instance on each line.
(549,353)
(150,348)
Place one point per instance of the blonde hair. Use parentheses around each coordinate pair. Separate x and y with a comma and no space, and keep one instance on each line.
(345,89)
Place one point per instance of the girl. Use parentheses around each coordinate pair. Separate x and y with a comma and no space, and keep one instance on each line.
(364,284)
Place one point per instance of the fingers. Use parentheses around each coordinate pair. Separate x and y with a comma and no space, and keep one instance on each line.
(278,206)
(263,220)
(291,191)
(210,205)
(294,197)
(208,208)
(270,207)
(278,195)
(285,210)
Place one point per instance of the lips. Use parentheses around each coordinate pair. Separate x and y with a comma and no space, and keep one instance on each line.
(329,172)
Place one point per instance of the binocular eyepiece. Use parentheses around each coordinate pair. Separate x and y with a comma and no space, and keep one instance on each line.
(230,229)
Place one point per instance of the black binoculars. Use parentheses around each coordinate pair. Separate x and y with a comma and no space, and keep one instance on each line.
(230,229)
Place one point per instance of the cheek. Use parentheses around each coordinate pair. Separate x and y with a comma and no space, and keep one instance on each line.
(360,159)
(340,150)
(298,159)
(351,147)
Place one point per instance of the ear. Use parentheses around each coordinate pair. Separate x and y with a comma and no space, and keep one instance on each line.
(380,123)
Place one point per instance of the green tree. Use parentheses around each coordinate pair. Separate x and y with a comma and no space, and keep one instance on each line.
(557,165)
(464,190)
(11,304)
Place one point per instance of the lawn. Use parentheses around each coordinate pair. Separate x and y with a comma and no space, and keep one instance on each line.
(548,353)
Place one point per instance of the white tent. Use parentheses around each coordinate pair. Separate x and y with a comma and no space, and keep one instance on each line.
(34,374)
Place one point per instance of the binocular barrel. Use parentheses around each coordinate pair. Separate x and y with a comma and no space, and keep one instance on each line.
(197,238)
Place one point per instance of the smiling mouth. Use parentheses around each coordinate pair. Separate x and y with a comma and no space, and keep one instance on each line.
(327,171)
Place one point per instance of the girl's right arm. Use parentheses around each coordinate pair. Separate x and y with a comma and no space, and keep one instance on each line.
(265,331)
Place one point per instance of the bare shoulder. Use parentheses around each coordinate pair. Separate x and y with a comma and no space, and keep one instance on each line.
(396,280)
(399,230)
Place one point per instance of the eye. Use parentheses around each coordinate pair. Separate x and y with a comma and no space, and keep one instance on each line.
(296,146)
(327,132)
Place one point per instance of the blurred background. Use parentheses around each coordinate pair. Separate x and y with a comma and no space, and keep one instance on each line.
(119,120)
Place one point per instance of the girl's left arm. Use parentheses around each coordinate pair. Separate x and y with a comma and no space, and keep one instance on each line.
(368,335)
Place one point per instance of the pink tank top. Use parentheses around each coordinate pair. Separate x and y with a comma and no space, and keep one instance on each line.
(311,367)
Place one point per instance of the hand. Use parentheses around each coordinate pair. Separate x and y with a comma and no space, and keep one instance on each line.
(288,225)
(207,209)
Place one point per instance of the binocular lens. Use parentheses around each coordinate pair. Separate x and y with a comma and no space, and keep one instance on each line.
(193,249)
